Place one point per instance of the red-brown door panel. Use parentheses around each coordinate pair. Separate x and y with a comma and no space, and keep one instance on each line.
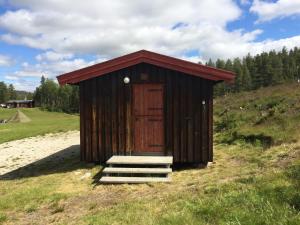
(148,117)
(146,101)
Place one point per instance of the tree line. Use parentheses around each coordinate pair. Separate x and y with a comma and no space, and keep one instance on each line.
(7,92)
(261,70)
(252,72)
(52,97)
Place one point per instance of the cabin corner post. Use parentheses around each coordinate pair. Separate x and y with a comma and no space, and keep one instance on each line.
(82,122)
(210,123)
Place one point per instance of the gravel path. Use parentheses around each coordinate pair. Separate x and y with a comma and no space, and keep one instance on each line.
(16,154)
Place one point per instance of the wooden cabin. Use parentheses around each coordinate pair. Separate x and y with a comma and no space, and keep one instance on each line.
(20,104)
(146,103)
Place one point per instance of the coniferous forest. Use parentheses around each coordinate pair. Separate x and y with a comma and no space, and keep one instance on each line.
(8,92)
(53,97)
(265,69)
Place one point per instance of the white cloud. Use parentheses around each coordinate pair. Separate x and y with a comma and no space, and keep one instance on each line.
(22,83)
(106,29)
(267,10)
(11,77)
(28,72)
(53,56)
(5,60)
(51,69)
(54,68)
(245,2)
(26,85)
(195,59)
(111,28)
(48,67)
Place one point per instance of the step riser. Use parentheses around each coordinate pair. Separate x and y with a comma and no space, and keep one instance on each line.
(133,180)
(112,170)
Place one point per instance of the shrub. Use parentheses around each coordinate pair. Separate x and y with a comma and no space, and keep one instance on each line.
(227,122)
(3,218)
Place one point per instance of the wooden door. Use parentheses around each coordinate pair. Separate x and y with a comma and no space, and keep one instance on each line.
(148,117)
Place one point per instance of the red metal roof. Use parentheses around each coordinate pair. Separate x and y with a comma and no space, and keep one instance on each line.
(144,56)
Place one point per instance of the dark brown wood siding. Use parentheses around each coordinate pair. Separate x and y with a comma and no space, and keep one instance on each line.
(106,121)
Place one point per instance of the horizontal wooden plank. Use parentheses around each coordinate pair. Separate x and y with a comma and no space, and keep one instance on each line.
(137,170)
(141,160)
(133,180)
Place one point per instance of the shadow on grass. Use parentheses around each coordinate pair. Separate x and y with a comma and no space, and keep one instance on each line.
(97,176)
(63,161)
(188,166)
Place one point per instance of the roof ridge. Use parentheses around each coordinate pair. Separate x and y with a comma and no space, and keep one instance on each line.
(145,56)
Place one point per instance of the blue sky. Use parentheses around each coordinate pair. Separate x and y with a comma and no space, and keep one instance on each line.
(52,37)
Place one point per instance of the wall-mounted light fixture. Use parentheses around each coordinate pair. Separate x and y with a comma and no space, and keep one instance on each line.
(203,102)
(126,80)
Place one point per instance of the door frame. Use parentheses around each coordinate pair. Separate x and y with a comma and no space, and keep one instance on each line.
(133,151)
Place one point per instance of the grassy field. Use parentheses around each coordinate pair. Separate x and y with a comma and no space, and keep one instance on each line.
(268,116)
(42,122)
(250,182)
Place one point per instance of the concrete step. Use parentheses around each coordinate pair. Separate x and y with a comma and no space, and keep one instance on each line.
(137,170)
(133,180)
(140,160)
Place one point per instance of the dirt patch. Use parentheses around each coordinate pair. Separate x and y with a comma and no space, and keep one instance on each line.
(286,158)
(17,154)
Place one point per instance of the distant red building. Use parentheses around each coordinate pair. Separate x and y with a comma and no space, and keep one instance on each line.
(20,104)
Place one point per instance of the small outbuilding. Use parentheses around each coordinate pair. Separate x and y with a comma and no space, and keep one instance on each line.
(20,104)
(146,103)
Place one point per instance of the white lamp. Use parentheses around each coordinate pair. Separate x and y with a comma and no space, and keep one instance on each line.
(126,80)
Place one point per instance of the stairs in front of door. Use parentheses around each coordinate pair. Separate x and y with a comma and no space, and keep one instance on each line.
(137,169)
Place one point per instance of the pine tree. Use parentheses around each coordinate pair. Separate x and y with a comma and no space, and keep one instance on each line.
(43,79)
(257,77)
(277,69)
(210,63)
(3,92)
(12,94)
(285,62)
(246,78)
(228,65)
(220,64)
(237,68)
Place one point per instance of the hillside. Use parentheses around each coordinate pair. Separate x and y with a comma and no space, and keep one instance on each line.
(264,117)
(254,179)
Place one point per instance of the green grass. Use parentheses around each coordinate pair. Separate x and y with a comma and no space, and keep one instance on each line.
(2,218)
(231,204)
(42,122)
(268,116)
